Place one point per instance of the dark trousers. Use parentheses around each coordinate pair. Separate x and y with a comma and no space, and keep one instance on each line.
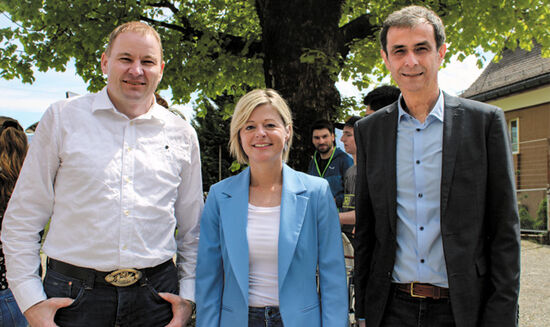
(264,317)
(404,310)
(99,304)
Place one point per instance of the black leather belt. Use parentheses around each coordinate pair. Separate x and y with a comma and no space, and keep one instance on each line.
(119,278)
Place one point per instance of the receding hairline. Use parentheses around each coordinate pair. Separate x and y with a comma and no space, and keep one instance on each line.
(134,27)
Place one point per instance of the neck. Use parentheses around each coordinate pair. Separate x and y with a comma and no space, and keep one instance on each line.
(327,154)
(354,159)
(420,104)
(265,176)
(132,109)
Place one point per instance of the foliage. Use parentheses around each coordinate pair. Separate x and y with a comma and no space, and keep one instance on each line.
(213,132)
(525,220)
(541,221)
(216,47)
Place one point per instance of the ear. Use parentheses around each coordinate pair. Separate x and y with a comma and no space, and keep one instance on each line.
(161,70)
(288,133)
(385,57)
(441,52)
(104,62)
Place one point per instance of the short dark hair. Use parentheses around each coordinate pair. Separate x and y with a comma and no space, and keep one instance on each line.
(409,17)
(321,124)
(381,96)
(350,122)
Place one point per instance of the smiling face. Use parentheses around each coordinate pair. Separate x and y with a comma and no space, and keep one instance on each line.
(413,58)
(134,68)
(264,135)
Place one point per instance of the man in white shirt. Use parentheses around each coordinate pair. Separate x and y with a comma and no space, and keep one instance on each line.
(117,174)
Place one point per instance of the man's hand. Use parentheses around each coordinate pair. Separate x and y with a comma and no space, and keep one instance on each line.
(181,309)
(362,323)
(42,313)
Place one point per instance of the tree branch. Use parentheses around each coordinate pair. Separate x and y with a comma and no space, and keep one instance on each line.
(358,29)
(232,44)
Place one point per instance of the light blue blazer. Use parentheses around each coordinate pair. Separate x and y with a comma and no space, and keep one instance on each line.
(309,237)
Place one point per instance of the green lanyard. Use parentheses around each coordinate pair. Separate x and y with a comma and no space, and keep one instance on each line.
(328,163)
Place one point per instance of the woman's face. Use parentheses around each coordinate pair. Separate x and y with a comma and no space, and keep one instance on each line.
(264,135)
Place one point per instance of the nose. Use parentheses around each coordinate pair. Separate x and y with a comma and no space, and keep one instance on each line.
(410,59)
(135,68)
(260,131)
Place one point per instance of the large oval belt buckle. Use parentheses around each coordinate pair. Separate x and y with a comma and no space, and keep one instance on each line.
(123,277)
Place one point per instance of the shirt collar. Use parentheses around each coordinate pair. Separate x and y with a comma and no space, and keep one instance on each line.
(103,102)
(435,113)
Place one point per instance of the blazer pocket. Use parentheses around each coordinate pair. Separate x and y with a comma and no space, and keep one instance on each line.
(310,307)
(481,266)
(226,308)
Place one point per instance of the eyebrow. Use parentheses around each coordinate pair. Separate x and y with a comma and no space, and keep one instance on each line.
(401,46)
(127,54)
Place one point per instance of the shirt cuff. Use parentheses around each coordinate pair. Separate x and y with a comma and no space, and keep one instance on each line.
(187,289)
(29,293)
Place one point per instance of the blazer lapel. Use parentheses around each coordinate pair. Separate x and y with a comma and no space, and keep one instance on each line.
(388,133)
(293,209)
(234,218)
(452,133)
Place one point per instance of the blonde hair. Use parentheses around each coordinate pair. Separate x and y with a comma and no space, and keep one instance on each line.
(136,27)
(244,109)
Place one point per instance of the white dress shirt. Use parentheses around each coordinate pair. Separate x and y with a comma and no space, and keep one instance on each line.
(115,189)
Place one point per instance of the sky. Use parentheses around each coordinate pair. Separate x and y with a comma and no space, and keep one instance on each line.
(27,102)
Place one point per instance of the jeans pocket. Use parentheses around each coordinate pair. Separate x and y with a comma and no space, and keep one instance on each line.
(59,285)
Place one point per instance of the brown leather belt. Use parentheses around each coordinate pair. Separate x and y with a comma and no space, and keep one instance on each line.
(419,290)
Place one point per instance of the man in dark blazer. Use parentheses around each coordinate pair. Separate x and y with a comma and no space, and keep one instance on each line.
(437,225)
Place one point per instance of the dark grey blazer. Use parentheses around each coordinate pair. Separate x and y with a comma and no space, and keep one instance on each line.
(479,218)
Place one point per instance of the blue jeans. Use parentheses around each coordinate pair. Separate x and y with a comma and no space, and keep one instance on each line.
(264,317)
(98,304)
(10,315)
(404,310)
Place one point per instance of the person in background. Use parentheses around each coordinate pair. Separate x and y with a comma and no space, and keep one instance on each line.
(13,148)
(328,161)
(267,231)
(376,99)
(117,173)
(437,230)
(380,97)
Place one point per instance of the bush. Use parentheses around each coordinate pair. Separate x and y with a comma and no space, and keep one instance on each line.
(526,222)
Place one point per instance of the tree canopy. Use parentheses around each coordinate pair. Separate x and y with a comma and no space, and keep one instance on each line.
(214,47)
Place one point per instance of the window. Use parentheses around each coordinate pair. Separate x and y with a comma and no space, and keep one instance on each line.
(513,129)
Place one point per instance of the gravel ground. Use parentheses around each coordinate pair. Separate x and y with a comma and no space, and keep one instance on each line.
(534,296)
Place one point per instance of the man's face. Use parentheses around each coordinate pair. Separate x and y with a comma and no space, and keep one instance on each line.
(323,140)
(349,140)
(413,58)
(134,69)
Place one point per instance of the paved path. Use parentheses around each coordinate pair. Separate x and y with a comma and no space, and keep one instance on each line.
(534,296)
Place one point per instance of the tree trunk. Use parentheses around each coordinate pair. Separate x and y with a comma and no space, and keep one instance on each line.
(290,28)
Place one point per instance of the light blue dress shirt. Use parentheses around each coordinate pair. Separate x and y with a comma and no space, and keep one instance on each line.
(419,256)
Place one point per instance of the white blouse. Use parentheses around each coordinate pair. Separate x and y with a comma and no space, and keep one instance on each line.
(262,233)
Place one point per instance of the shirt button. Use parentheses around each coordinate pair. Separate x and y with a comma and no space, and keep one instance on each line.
(420,195)
(126,212)
(127,179)
(421,228)
(124,247)
(418,162)
(421,260)
(418,129)
(129,149)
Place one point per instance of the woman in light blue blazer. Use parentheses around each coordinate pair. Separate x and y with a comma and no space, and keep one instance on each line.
(266,231)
